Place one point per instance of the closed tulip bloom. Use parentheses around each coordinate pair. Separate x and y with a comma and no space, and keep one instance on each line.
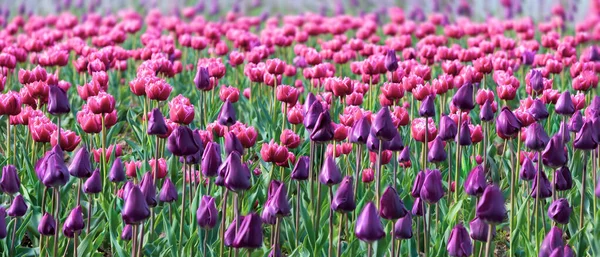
(249,234)
(148,188)
(182,142)
(527,172)
(237,176)
(463,98)
(555,155)
(383,125)
(323,129)
(491,207)
(330,174)
(552,241)
(368,225)
(10,183)
(135,210)
(538,110)
(545,187)
(404,155)
(564,104)
(81,167)
(211,159)
(373,142)
(207,214)
(564,131)
(487,112)
(432,190)
(565,251)
(156,123)
(479,230)
(536,80)
(563,180)
(360,131)
(391,207)
(312,114)
(459,243)
(227,116)
(464,137)
(168,192)
(437,153)
(560,211)
(300,171)
(344,201)
(56,173)
(126,233)
(117,171)
(391,61)
(279,205)
(403,227)
(427,108)
(507,124)
(535,137)
(93,184)
(230,232)
(46,227)
(18,208)
(74,222)
(396,144)
(576,122)
(57,101)
(202,78)
(417,184)
(475,183)
(448,128)
(418,208)
(232,143)
(586,139)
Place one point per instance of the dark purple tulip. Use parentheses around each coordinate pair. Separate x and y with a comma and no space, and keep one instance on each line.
(156,123)
(437,153)
(479,230)
(396,144)
(10,183)
(230,232)
(202,78)
(343,201)
(391,207)
(168,192)
(135,210)
(597,191)
(404,155)
(432,190)
(403,227)
(93,184)
(563,180)
(250,233)
(126,233)
(47,226)
(232,143)
(81,167)
(182,142)
(564,104)
(207,214)
(545,187)
(211,159)
(560,211)
(330,174)
(564,131)
(74,222)
(417,184)
(18,208)
(459,243)
(553,240)
(507,123)
(279,204)
(418,209)
(360,131)
(491,207)
(555,155)
(585,139)
(427,108)
(565,251)
(56,173)
(268,217)
(323,129)
(463,98)
(117,172)
(300,171)
(538,110)
(475,183)
(148,188)
(536,80)
(391,61)
(237,176)
(535,137)
(576,122)
(126,189)
(383,125)
(527,172)
(368,225)
(448,128)
(373,142)
(195,158)
(486,113)
(312,114)
(594,107)
(464,138)
(57,101)
(227,114)
(527,57)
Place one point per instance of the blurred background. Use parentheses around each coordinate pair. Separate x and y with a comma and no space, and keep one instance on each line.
(574,10)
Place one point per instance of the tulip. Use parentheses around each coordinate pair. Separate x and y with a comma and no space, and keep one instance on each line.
(117,172)
(432,190)
(391,207)
(367,176)
(448,128)
(18,208)
(459,243)
(463,138)
(545,190)
(535,137)
(10,183)
(535,81)
(463,98)
(57,101)
(182,142)
(563,180)
(289,139)
(565,251)
(202,78)
(475,183)
(538,110)
(586,139)
(211,159)
(168,192)
(227,116)
(74,222)
(527,172)
(322,130)
(55,172)
(403,227)
(391,62)
(237,176)
(368,225)
(491,207)
(554,155)
(427,108)
(507,124)
(552,241)
(93,184)
(148,189)
(312,114)
(559,211)
(249,234)
(383,125)
(101,103)
(487,112)
(330,174)
(343,201)
(126,233)
(576,122)
(207,214)
(46,227)
(300,171)
(564,104)
(156,123)
(373,143)
(360,131)
(232,143)
(479,230)
(437,152)
(135,209)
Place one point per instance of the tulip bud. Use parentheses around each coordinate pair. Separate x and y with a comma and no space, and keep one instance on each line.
(403,227)
(168,193)
(74,222)
(249,234)
(330,174)
(156,123)
(93,185)
(117,173)
(563,180)
(427,108)
(552,241)
(300,171)
(432,190)
(227,116)
(207,214)
(391,207)
(475,183)
(448,128)
(437,153)
(46,227)
(136,208)
(10,183)
(559,211)
(459,243)
(344,201)
(126,233)
(564,104)
(383,125)
(479,230)
(57,101)
(491,207)
(463,98)
(18,208)
(368,225)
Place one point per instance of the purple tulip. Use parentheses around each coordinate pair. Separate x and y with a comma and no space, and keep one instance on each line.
(538,110)
(46,227)
(330,174)
(563,180)
(437,153)
(475,183)
(576,122)
(555,155)
(536,80)
(368,225)
(182,142)
(486,113)
(237,175)
(545,190)
(207,214)
(360,131)
(57,101)
(383,125)
(418,208)
(403,227)
(148,189)
(93,184)
(507,123)
(448,128)
(553,240)
(227,114)
(417,184)
(427,108)
(343,201)
(74,222)
(479,230)
(586,139)
(18,208)
(135,210)
(432,190)
(211,159)
(156,123)
(391,61)
(117,172)
(81,166)
(300,171)
(249,234)
(391,207)
(10,183)
(564,104)
(202,78)
(560,211)
(535,137)
(491,207)
(527,172)
(126,233)
(459,243)
(463,98)
(323,129)
(404,155)
(168,192)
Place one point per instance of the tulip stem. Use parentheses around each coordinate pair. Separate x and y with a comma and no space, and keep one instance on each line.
(297,211)
(395,169)
(140,251)
(154,177)
(134,241)
(75,244)
(489,240)
(399,248)
(369,250)
(357,170)
(56,215)
(449,177)
(512,191)
(392,245)
(236,210)
(78,191)
(310,169)
(418,237)
(182,213)
(378,175)
(537,195)
(223,219)
(426,224)
(12,236)
(341,226)
(457,164)
(8,138)
(89,214)
(582,193)
(204,242)
(330,250)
